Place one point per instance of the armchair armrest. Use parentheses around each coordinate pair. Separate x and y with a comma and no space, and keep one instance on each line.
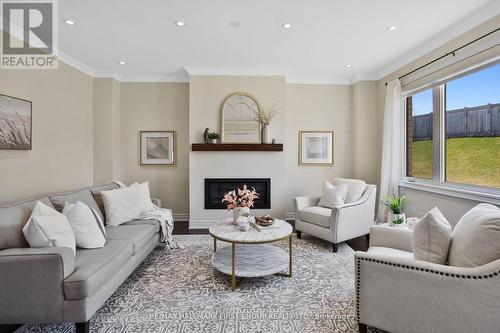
(434,297)
(156,202)
(31,288)
(305,201)
(396,238)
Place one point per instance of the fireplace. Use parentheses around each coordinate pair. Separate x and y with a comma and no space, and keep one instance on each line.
(216,187)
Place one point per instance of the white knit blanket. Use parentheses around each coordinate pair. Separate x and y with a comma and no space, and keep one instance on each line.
(164,216)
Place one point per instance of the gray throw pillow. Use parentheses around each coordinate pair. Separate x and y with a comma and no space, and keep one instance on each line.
(431,238)
(476,238)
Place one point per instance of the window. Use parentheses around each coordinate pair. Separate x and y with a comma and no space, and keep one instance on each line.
(453,131)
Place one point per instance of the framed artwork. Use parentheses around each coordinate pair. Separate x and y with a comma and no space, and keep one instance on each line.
(316,148)
(15,123)
(157,148)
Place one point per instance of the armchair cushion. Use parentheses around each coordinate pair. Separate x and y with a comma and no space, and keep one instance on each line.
(316,215)
(355,190)
(432,237)
(333,196)
(389,252)
(475,237)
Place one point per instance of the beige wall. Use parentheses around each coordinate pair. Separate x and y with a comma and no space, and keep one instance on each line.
(422,201)
(61,155)
(317,107)
(156,106)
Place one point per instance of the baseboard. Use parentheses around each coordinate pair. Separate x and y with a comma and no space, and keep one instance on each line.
(181,217)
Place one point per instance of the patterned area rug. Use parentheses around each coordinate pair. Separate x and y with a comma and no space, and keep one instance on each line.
(178,291)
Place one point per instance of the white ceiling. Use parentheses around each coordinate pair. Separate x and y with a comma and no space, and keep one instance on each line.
(325,36)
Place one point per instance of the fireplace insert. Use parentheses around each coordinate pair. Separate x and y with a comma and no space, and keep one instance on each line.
(216,187)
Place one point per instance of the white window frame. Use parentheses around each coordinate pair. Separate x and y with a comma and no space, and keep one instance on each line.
(438,183)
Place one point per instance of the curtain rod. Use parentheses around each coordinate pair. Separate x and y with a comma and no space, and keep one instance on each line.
(447,54)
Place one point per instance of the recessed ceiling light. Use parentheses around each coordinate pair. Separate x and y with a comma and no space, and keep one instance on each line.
(179,23)
(121,62)
(286,25)
(392,28)
(69,22)
(235,24)
(348,66)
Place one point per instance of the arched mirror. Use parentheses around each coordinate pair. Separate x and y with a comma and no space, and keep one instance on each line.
(239,119)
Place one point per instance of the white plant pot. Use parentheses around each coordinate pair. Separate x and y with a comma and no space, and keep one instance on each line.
(238,211)
(214,141)
(391,217)
(266,135)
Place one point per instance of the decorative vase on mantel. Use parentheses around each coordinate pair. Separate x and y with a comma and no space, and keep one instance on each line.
(266,134)
(239,211)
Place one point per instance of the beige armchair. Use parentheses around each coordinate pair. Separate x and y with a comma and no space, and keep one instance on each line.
(339,224)
(397,293)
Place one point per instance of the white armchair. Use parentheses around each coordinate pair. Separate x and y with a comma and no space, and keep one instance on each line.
(339,224)
(397,293)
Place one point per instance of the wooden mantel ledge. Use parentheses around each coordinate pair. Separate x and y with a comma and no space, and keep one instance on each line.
(237,147)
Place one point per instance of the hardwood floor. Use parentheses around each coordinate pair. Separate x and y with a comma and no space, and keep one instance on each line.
(182,228)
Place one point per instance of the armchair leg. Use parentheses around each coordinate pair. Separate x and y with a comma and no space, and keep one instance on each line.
(83,327)
(362,328)
(299,234)
(335,247)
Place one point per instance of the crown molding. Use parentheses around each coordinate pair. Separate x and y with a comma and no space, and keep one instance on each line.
(152,78)
(455,30)
(319,80)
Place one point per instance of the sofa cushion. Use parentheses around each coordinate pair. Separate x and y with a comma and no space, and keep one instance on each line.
(390,252)
(152,222)
(139,235)
(96,192)
(316,215)
(65,253)
(83,195)
(93,268)
(432,237)
(475,239)
(12,220)
(356,188)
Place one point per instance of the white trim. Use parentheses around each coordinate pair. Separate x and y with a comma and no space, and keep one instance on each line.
(318,80)
(201,224)
(153,78)
(455,30)
(76,64)
(181,217)
(465,192)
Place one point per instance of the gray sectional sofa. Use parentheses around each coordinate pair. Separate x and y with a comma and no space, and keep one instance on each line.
(49,285)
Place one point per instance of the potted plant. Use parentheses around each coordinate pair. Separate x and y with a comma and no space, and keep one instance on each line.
(213,137)
(264,117)
(240,201)
(396,205)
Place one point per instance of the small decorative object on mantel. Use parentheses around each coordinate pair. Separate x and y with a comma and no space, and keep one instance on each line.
(15,123)
(240,201)
(205,135)
(213,137)
(316,148)
(157,148)
(396,216)
(264,117)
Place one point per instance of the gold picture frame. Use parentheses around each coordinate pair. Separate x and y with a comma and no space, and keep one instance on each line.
(316,148)
(226,137)
(157,148)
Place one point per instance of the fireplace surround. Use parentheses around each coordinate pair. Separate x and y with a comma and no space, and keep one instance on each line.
(216,187)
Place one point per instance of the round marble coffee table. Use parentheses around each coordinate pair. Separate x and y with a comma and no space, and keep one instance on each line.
(253,257)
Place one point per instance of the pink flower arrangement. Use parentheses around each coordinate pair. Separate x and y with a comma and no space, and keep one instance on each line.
(240,198)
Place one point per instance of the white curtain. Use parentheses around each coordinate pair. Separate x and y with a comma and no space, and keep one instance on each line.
(392,145)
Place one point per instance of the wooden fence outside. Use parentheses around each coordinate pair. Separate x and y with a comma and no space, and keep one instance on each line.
(478,121)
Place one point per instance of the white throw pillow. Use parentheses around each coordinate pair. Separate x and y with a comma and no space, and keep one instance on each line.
(333,196)
(475,241)
(47,227)
(432,237)
(125,204)
(89,231)
(356,188)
